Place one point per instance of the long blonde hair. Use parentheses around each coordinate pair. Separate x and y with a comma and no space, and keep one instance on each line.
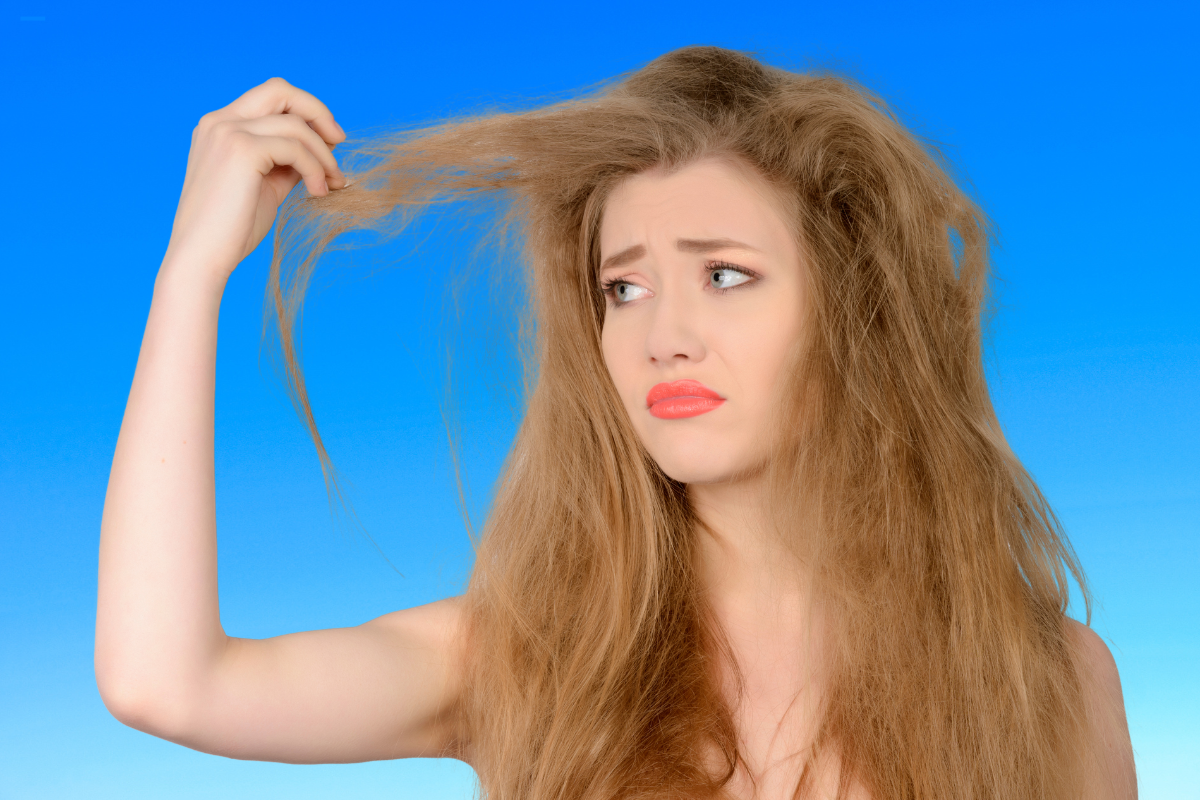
(592,655)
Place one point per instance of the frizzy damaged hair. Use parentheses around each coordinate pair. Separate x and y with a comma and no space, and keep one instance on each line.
(592,656)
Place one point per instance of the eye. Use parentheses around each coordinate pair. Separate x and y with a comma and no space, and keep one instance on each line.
(622,292)
(727,276)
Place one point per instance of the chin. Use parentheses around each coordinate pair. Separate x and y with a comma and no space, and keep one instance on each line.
(698,464)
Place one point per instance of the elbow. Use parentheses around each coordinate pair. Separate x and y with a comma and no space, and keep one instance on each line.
(124,701)
(142,703)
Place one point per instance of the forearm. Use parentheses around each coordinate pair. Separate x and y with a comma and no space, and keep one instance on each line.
(158,629)
(163,662)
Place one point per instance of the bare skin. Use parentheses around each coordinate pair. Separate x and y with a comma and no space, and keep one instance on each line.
(388,688)
(728,317)
(163,662)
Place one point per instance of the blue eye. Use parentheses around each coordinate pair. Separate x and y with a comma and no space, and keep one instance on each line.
(623,292)
(723,277)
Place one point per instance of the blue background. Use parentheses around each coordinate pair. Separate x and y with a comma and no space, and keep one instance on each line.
(1075,125)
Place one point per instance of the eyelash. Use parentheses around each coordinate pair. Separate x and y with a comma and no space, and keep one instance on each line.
(609,286)
(715,266)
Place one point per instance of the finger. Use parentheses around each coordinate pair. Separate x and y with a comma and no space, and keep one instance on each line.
(285,151)
(282,180)
(295,127)
(277,96)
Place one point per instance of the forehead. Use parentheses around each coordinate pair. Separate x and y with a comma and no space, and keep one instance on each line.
(708,199)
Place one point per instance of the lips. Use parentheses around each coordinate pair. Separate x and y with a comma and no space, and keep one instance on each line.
(680,399)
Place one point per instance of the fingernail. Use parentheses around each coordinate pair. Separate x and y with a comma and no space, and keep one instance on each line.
(339,127)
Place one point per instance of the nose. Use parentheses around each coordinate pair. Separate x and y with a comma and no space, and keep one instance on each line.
(674,330)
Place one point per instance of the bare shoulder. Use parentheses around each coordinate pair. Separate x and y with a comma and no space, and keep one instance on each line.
(441,617)
(1111,773)
(433,635)
(1092,656)
(437,626)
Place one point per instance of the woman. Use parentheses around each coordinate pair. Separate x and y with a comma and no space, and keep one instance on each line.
(760,533)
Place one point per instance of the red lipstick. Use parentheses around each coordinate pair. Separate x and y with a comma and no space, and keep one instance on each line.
(679,399)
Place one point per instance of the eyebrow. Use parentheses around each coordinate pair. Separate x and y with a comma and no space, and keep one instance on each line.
(631,254)
(708,245)
(626,256)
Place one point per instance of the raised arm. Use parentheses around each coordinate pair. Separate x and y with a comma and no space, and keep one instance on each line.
(164,665)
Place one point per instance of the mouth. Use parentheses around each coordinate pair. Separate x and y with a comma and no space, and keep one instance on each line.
(680,399)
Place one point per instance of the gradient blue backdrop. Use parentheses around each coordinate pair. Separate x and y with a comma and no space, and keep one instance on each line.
(1075,125)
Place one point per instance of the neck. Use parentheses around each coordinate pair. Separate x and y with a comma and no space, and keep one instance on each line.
(760,596)
(741,557)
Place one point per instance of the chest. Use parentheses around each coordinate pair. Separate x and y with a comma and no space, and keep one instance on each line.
(776,695)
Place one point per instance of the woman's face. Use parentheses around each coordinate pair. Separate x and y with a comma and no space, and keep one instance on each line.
(705,299)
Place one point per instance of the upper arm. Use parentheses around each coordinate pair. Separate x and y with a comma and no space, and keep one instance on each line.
(386,689)
(1111,773)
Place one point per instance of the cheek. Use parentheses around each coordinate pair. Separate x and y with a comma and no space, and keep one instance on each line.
(623,346)
(620,358)
(760,349)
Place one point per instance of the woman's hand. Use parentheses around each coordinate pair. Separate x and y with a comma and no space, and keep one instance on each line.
(244,160)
